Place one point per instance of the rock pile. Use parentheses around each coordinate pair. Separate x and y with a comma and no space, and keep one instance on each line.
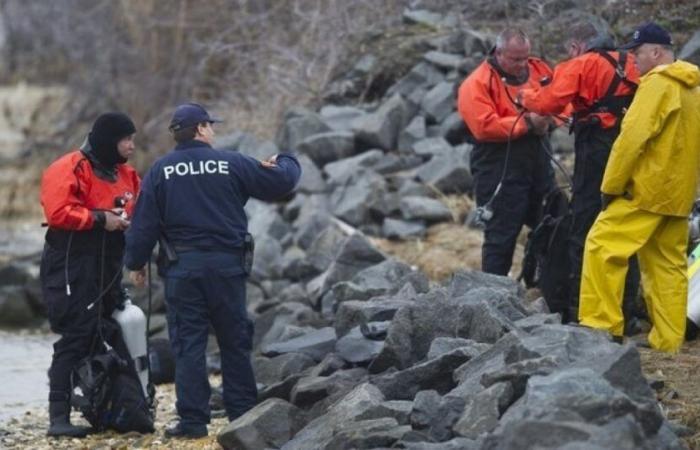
(468,364)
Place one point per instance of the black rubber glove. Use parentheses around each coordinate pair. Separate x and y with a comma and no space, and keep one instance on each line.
(605,200)
(121,297)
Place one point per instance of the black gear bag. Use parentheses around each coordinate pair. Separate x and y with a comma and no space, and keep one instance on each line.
(546,260)
(107,391)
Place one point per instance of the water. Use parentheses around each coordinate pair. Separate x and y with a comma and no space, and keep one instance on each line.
(24,359)
(18,240)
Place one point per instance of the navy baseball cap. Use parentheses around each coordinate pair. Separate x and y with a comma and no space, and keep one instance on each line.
(188,115)
(649,33)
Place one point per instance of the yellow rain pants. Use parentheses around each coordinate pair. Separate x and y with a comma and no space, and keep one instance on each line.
(660,243)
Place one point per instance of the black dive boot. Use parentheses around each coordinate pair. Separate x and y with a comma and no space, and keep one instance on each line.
(59,417)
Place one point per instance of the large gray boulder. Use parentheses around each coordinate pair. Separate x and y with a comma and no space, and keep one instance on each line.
(384,278)
(340,118)
(273,370)
(545,349)
(270,324)
(381,128)
(373,433)
(319,432)
(452,444)
(354,254)
(439,102)
(448,172)
(468,376)
(352,313)
(303,206)
(396,163)
(482,412)
(430,147)
(310,227)
(315,344)
(327,147)
(296,267)
(361,194)
(432,374)
(21,293)
(313,389)
(311,176)
(267,263)
(264,221)
(327,239)
(622,368)
(580,395)
(435,415)
(441,345)
(15,309)
(397,409)
(464,281)
(298,125)
(423,76)
(415,131)
(482,314)
(454,131)
(424,208)
(269,424)
(445,61)
(339,172)
(403,229)
(355,348)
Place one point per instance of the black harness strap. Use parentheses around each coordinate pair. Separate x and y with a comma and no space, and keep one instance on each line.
(620,75)
(609,102)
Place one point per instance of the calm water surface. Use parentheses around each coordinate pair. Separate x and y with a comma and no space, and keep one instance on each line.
(24,359)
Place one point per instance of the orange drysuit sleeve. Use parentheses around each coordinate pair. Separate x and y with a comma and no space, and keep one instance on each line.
(580,82)
(63,194)
(485,102)
(553,98)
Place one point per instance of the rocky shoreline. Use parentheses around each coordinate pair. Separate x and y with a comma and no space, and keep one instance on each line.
(356,349)
(28,431)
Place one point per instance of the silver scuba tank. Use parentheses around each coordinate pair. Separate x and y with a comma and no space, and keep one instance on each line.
(133,325)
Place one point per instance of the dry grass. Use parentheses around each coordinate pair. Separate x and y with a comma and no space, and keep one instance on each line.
(679,373)
(447,247)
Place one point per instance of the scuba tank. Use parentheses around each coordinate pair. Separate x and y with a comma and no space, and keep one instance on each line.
(132,322)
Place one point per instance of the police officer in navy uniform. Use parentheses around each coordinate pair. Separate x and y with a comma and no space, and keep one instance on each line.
(194,197)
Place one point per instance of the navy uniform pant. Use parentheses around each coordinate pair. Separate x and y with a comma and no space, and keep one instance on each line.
(592,145)
(203,289)
(528,178)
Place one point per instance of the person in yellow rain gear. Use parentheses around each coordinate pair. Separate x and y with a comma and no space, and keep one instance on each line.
(647,193)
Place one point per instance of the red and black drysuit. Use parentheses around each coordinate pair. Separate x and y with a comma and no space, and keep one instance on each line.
(81,262)
(598,85)
(485,103)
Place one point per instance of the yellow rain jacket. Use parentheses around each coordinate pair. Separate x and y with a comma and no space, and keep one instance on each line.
(655,159)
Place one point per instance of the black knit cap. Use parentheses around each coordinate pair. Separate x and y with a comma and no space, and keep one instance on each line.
(107,131)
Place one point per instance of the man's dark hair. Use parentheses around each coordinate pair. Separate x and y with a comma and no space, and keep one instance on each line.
(583,31)
(186,134)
